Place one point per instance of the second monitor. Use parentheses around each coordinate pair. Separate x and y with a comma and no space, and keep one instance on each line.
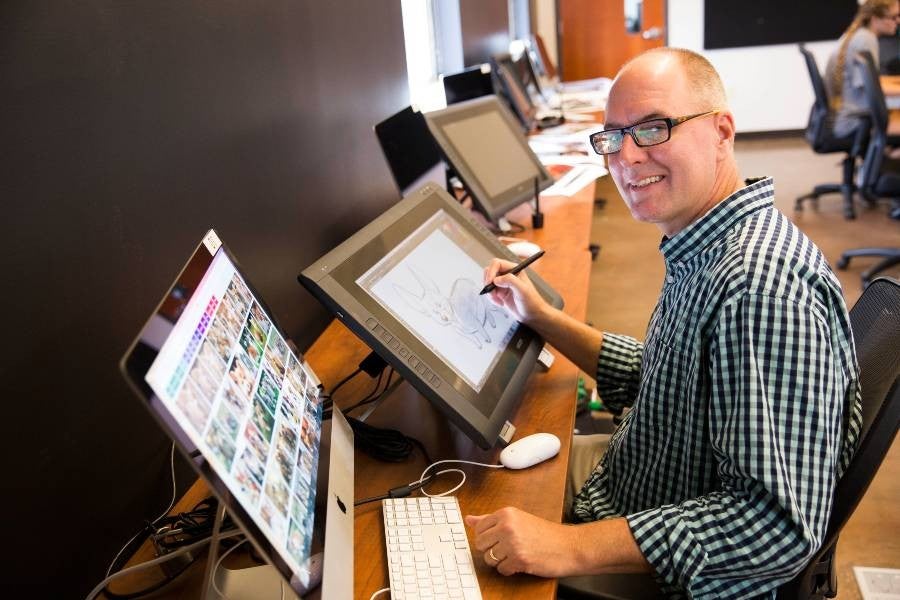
(484,144)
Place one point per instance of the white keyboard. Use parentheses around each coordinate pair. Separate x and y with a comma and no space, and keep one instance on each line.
(427,550)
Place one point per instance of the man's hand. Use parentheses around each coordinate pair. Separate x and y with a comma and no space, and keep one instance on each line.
(514,292)
(514,541)
(523,543)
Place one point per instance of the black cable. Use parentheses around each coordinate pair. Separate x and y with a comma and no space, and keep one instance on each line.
(370,397)
(193,525)
(398,492)
(373,397)
(387,445)
(330,394)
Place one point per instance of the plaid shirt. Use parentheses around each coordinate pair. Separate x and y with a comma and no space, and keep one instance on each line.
(745,406)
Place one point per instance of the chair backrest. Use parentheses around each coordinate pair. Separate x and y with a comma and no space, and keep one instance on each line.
(878,113)
(818,128)
(817,82)
(875,320)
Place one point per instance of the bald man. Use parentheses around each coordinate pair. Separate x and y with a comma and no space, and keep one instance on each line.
(743,396)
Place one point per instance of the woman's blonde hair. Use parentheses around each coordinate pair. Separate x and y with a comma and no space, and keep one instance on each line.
(868,10)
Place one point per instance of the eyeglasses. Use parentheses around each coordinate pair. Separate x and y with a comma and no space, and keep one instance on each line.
(646,133)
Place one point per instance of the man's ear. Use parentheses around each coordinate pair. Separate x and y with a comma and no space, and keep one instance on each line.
(725,130)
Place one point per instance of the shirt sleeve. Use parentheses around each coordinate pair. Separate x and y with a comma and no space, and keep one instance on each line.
(619,371)
(775,429)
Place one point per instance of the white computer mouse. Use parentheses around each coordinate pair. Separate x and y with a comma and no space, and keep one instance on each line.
(530,450)
(524,249)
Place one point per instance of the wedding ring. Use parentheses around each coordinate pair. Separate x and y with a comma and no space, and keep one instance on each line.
(491,554)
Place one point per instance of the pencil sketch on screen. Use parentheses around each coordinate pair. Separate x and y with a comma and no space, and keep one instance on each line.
(433,290)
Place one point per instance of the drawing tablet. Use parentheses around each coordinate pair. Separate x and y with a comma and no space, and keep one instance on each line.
(407,284)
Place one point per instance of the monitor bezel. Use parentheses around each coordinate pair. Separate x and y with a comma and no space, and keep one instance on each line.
(514,89)
(393,342)
(492,207)
(402,126)
(135,364)
(481,73)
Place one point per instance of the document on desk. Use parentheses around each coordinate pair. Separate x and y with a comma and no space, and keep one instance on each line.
(579,176)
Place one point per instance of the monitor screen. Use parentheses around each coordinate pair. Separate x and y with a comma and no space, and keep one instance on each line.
(525,70)
(485,146)
(474,82)
(217,373)
(408,285)
(514,90)
(410,150)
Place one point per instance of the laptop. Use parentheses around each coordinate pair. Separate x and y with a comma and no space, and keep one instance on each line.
(216,371)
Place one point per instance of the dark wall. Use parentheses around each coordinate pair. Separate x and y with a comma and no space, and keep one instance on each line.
(767,22)
(129,128)
(485,29)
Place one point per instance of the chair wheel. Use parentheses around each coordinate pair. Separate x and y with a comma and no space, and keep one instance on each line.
(842,262)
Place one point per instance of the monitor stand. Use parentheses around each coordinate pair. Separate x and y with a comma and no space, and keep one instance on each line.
(265,581)
(252,583)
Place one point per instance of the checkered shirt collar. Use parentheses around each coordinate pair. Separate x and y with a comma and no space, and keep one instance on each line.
(758,194)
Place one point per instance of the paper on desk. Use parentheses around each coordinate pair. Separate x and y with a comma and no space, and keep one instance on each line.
(878,584)
(572,160)
(575,180)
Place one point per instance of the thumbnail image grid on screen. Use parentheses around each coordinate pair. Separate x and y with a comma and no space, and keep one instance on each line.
(229,379)
(430,283)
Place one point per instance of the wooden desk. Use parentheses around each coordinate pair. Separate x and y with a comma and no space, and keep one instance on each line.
(890,85)
(547,405)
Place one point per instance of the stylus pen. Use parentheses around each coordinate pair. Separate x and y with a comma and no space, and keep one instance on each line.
(514,271)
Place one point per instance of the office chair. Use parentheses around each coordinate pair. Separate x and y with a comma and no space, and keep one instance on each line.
(875,321)
(820,135)
(880,177)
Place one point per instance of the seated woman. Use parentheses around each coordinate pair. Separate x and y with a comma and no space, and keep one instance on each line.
(844,81)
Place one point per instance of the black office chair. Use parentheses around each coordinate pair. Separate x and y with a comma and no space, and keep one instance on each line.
(820,135)
(876,331)
(880,176)
(875,320)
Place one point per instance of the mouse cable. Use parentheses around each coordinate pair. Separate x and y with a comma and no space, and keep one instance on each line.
(460,471)
(157,561)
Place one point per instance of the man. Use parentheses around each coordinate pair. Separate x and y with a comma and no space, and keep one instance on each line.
(744,395)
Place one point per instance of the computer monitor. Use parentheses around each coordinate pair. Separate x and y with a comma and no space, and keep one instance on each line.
(525,70)
(484,144)
(408,285)
(216,372)
(471,83)
(513,90)
(410,150)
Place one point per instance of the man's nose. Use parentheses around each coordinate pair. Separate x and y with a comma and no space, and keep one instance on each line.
(631,153)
